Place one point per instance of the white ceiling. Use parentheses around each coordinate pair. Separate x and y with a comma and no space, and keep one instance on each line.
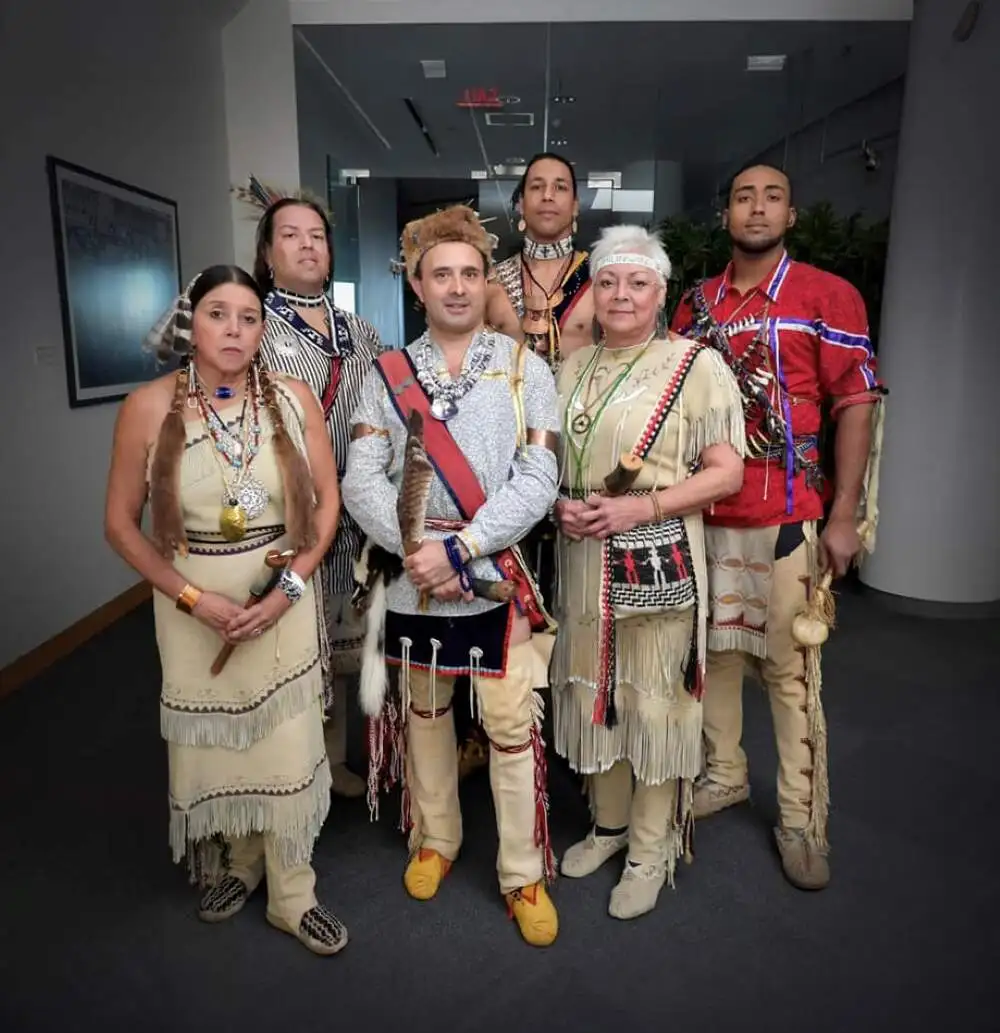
(367,12)
(661,90)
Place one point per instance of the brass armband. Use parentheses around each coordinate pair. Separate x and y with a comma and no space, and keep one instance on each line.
(188,599)
(366,430)
(546,438)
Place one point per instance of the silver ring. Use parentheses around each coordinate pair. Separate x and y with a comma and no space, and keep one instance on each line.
(258,631)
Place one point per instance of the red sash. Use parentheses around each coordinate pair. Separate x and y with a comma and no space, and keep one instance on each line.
(453,469)
(330,394)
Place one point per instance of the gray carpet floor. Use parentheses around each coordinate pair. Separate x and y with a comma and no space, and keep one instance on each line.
(98,930)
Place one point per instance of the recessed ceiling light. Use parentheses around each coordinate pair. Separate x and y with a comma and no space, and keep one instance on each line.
(765,62)
(563,99)
(434,69)
(559,143)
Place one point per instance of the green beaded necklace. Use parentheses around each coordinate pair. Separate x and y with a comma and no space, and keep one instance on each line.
(585,425)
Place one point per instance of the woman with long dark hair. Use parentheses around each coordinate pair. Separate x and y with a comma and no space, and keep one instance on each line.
(242,486)
(309,337)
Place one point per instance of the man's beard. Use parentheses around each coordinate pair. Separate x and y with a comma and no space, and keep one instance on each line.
(756,247)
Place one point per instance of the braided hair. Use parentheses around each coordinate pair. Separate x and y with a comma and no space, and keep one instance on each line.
(296,478)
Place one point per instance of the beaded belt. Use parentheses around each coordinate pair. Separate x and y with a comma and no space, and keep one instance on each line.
(212,543)
(800,447)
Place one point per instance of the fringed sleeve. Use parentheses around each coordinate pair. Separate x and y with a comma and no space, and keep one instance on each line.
(868,510)
(713,407)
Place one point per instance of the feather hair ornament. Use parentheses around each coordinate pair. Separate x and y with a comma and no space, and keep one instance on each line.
(261,196)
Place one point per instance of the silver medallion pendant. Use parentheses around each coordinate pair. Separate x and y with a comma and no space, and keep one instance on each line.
(443,409)
(253,497)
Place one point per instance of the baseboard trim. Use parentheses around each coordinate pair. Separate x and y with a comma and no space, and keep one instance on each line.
(32,664)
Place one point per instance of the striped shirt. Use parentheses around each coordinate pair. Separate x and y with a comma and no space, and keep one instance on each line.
(291,347)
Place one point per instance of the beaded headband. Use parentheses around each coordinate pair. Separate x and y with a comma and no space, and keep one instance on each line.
(630,258)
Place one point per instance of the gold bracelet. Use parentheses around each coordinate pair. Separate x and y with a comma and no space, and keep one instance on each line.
(188,599)
(657,509)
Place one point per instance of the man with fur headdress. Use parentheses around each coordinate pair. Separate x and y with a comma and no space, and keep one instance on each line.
(452,462)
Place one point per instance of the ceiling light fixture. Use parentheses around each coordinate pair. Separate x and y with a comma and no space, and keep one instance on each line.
(559,143)
(509,171)
(434,68)
(563,99)
(607,180)
(766,62)
(509,119)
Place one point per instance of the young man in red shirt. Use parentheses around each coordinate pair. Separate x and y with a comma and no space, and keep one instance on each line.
(797,339)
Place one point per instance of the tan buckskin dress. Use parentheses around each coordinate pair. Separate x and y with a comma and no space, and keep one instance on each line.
(247,761)
(657,735)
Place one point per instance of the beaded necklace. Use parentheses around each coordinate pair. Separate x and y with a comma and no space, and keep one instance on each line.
(244,498)
(583,425)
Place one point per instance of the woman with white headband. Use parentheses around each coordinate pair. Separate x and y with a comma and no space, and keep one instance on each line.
(652,434)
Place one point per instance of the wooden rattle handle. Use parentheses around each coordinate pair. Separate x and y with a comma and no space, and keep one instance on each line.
(273,561)
(623,476)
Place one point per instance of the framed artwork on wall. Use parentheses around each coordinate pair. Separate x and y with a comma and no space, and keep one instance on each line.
(118,260)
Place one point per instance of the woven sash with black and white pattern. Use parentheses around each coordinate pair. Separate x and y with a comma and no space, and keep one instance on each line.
(648,570)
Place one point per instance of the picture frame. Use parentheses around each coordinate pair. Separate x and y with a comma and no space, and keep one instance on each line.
(119,267)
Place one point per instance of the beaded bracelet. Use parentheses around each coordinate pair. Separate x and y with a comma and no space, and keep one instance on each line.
(292,585)
(455,559)
(657,508)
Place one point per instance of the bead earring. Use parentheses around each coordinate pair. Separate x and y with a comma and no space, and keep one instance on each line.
(192,395)
(575,227)
(662,325)
(521,226)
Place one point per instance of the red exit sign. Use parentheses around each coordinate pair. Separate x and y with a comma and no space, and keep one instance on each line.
(480,97)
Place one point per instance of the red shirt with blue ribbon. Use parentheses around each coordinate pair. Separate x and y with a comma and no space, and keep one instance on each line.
(815,328)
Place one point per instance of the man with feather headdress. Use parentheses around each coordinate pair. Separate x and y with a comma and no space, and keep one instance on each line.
(452,462)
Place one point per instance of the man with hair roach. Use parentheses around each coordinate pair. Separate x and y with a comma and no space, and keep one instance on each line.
(452,462)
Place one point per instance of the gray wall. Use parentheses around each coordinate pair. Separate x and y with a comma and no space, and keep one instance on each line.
(136,92)
(824,159)
(940,484)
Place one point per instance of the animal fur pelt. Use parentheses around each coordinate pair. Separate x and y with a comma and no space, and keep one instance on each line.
(458,223)
(374,569)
